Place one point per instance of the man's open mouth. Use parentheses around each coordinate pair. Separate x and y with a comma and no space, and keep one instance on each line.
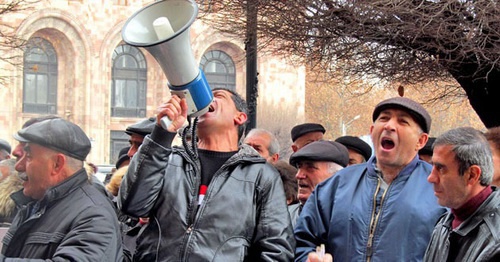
(387,143)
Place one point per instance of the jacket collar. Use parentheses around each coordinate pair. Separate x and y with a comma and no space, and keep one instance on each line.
(486,211)
(55,192)
(403,174)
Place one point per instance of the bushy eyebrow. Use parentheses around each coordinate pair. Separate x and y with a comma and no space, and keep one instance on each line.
(438,165)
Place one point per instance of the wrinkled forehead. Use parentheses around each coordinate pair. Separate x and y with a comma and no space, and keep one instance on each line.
(399,112)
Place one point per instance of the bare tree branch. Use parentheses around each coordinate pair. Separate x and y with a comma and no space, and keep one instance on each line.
(407,42)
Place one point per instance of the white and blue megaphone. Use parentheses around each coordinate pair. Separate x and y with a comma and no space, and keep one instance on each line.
(162,28)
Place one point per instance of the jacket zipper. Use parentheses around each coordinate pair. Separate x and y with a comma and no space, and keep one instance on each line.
(374,220)
(193,204)
(199,210)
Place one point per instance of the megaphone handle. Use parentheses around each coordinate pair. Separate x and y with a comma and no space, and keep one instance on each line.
(165,122)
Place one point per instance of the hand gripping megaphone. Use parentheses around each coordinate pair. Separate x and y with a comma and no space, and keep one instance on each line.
(162,28)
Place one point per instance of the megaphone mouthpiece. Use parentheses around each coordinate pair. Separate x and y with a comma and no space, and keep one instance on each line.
(163,28)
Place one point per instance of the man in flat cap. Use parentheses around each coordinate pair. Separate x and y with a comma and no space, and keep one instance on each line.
(316,162)
(359,150)
(62,216)
(381,210)
(4,150)
(306,133)
(137,132)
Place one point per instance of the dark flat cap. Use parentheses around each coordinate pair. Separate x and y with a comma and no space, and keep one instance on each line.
(427,149)
(143,127)
(302,129)
(416,110)
(59,135)
(5,145)
(122,157)
(322,150)
(357,144)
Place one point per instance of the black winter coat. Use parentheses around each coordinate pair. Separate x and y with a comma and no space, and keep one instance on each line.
(73,222)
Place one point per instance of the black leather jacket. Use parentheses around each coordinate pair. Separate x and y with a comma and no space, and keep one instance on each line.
(243,216)
(73,222)
(476,239)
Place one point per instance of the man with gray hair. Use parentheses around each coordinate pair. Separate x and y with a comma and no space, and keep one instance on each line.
(316,162)
(56,188)
(265,143)
(461,175)
(4,149)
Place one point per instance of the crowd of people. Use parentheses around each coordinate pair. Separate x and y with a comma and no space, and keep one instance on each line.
(222,195)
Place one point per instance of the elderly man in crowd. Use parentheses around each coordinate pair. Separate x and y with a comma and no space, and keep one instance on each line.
(5,150)
(265,143)
(137,132)
(306,133)
(461,175)
(316,162)
(359,150)
(63,217)
(381,210)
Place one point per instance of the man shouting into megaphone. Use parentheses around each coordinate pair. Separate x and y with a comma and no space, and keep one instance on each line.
(223,203)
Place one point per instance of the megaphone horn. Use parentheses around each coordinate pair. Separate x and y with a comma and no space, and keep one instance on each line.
(162,28)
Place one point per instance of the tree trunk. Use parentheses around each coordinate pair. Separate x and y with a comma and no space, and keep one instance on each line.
(483,92)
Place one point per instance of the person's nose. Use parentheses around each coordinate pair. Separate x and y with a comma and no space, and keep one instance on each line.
(390,125)
(20,165)
(131,152)
(18,151)
(300,174)
(432,178)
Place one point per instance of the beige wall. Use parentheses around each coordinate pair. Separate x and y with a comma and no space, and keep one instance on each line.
(84,35)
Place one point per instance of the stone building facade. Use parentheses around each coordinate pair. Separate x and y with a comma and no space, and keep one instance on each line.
(86,43)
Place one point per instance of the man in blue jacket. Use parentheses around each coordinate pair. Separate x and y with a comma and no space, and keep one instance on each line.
(381,210)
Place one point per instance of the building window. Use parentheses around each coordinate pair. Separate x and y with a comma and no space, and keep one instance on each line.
(128,91)
(219,70)
(119,140)
(40,77)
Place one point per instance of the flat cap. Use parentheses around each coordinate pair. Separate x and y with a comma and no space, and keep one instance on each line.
(357,144)
(59,135)
(416,110)
(302,129)
(322,150)
(143,127)
(427,149)
(5,145)
(122,156)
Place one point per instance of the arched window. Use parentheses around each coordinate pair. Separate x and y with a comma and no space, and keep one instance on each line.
(128,90)
(219,69)
(40,77)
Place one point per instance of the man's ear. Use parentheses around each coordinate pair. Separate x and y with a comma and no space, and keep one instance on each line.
(59,162)
(240,118)
(422,140)
(474,174)
(275,157)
